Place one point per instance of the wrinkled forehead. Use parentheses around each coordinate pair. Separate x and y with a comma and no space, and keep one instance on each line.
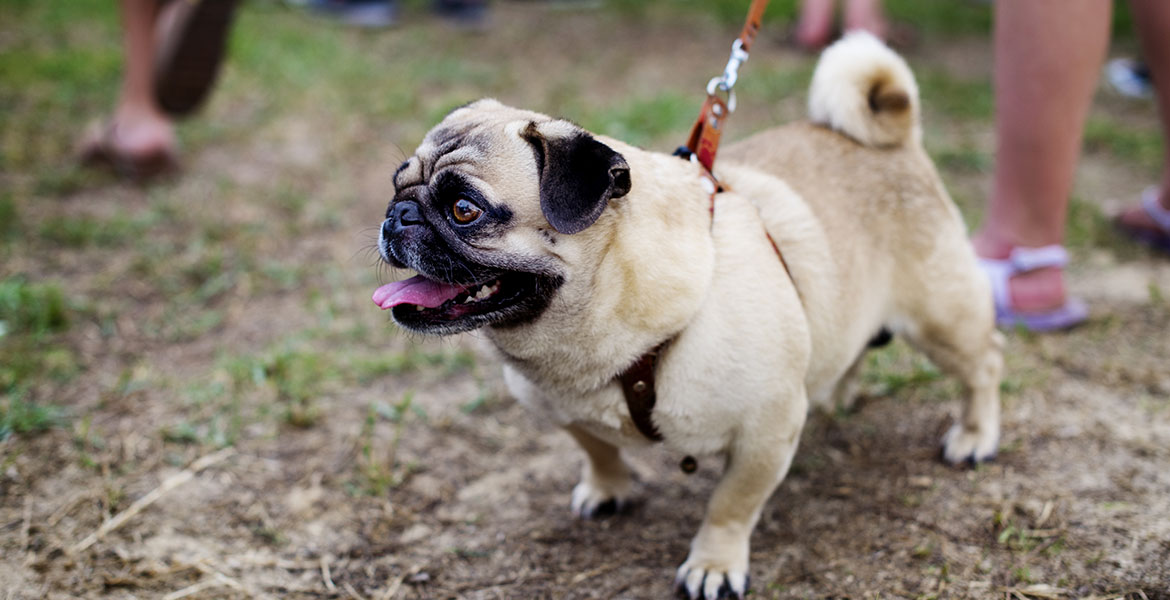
(476,125)
(480,139)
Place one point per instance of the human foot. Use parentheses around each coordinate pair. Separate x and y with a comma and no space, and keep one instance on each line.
(1028,285)
(136,145)
(1149,220)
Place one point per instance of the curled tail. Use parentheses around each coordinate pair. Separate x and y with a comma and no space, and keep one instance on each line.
(864,90)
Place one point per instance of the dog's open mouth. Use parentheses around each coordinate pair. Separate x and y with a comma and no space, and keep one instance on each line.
(430,306)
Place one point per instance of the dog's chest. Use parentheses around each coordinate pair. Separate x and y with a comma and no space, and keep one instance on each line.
(603,413)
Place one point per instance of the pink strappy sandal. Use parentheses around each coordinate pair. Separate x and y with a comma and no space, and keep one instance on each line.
(1023,260)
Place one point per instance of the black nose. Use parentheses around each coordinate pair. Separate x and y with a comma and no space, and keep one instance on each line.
(402,215)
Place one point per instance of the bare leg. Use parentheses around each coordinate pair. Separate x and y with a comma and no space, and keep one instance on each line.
(816,23)
(140,127)
(606,481)
(866,15)
(1152,18)
(1048,54)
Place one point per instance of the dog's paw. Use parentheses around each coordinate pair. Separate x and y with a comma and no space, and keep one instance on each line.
(592,500)
(961,445)
(697,581)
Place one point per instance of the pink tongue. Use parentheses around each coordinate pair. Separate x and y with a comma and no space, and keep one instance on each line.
(416,290)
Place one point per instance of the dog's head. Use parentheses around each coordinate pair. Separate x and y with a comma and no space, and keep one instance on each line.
(479,211)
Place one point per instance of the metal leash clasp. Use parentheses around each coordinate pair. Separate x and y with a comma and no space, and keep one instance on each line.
(726,81)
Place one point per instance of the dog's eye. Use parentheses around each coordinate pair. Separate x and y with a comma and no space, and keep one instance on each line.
(464,212)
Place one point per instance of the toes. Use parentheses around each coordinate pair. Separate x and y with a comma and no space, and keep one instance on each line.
(703,584)
(589,503)
(606,508)
(961,446)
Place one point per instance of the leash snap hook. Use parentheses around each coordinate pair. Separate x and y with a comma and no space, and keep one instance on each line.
(719,84)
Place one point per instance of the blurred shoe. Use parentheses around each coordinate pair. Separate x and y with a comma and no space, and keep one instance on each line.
(1148,221)
(465,14)
(1130,78)
(192,36)
(371,14)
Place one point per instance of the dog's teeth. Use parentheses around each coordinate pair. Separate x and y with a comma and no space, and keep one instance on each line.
(418,308)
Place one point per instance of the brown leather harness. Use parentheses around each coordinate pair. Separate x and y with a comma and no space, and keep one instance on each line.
(702,145)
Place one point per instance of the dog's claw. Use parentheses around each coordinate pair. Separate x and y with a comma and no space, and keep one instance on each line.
(961,445)
(590,503)
(700,584)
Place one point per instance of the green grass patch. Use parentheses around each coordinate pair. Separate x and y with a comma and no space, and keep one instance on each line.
(641,121)
(378,470)
(20,416)
(964,160)
(10,224)
(1139,147)
(924,15)
(770,83)
(59,62)
(447,362)
(31,308)
(1088,227)
(896,369)
(79,232)
(955,98)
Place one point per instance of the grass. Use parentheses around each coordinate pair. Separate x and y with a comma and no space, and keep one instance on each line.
(31,308)
(641,121)
(1139,147)
(32,317)
(10,224)
(378,471)
(20,416)
(896,368)
(934,17)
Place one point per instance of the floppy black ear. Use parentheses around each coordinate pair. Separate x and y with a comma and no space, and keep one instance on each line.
(578,177)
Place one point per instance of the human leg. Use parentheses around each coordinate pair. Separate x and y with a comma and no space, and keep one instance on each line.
(1048,55)
(816,23)
(1152,18)
(139,138)
(866,15)
(140,126)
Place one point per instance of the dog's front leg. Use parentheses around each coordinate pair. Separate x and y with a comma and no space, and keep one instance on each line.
(606,481)
(757,460)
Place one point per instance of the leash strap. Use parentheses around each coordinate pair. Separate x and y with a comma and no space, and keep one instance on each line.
(703,143)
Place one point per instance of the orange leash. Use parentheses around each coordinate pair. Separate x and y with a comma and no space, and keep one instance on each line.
(703,143)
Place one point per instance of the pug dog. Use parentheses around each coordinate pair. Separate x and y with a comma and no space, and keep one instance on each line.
(577,255)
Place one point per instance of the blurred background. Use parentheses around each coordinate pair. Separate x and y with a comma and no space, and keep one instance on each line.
(144,325)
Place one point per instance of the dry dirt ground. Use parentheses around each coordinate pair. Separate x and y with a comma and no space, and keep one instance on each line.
(256,429)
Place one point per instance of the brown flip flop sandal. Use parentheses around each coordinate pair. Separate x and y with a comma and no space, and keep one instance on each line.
(97,149)
(192,38)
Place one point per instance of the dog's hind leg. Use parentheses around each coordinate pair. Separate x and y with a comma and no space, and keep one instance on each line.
(845,392)
(606,480)
(757,461)
(956,329)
